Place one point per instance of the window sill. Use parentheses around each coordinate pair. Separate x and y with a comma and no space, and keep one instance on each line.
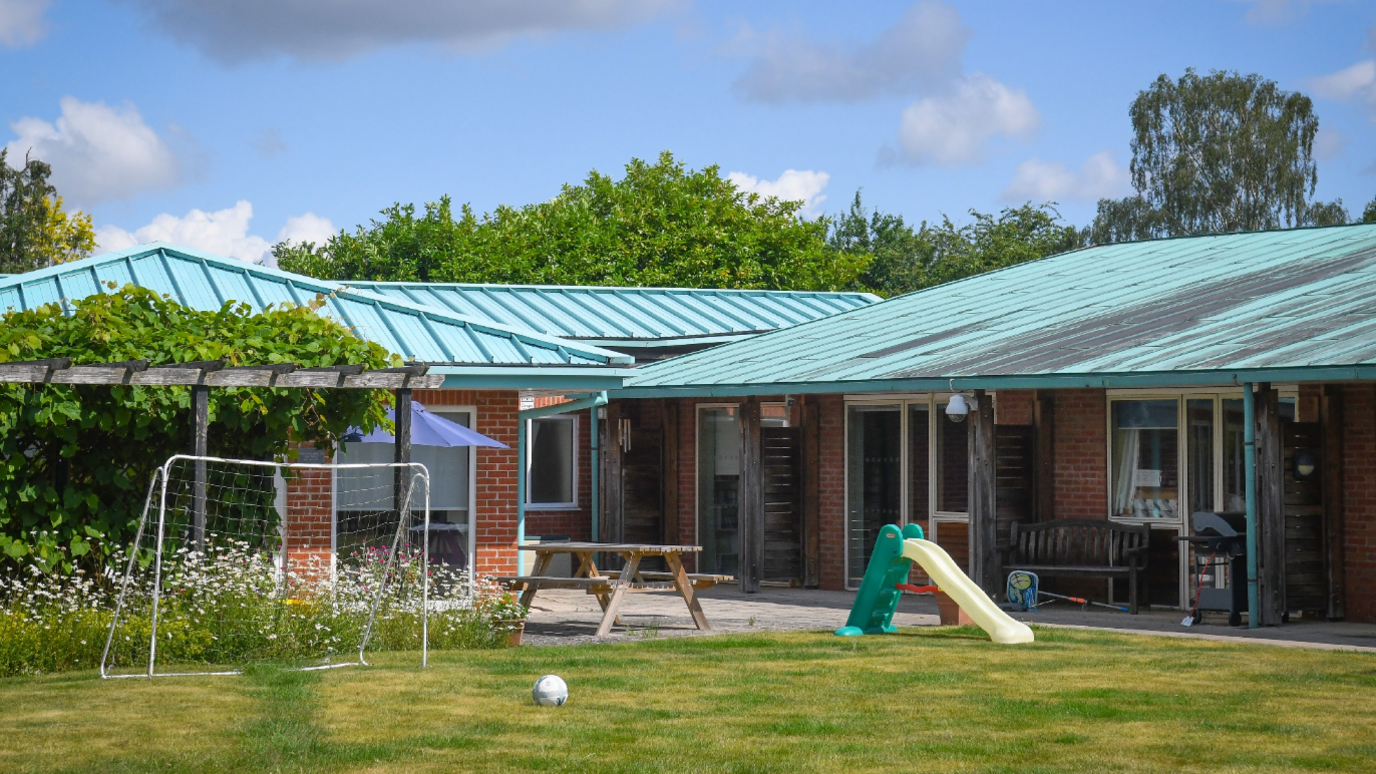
(551,507)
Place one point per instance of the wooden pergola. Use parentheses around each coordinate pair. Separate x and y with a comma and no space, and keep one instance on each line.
(200,376)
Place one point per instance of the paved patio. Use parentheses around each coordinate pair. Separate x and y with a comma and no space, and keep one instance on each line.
(566,616)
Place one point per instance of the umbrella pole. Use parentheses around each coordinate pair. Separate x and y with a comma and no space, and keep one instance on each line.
(402,449)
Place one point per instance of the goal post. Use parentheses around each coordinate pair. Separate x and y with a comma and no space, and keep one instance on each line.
(235,561)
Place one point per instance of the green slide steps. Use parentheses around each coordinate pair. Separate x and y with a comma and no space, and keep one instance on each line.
(894,554)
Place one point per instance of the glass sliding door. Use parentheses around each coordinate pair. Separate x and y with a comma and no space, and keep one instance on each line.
(719,477)
(874,477)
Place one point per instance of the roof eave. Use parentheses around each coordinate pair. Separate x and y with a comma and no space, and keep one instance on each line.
(1200,378)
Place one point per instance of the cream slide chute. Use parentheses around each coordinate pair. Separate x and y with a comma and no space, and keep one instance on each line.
(958,586)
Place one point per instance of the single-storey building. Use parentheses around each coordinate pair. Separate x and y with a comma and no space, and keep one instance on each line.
(506,355)
(1112,382)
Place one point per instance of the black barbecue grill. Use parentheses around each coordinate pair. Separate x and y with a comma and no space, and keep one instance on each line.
(1220,546)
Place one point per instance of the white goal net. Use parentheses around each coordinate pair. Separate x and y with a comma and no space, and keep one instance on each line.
(237,561)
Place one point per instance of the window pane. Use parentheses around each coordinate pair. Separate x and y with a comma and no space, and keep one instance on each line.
(874,459)
(952,465)
(1200,418)
(448,472)
(550,476)
(919,464)
(719,474)
(1234,468)
(1146,469)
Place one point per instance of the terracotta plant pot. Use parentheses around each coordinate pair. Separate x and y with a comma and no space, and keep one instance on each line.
(514,631)
(951,614)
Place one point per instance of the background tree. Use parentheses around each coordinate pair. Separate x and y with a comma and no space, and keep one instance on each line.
(902,259)
(1214,154)
(1369,214)
(35,230)
(659,225)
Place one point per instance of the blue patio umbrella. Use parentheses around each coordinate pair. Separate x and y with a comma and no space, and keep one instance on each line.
(426,430)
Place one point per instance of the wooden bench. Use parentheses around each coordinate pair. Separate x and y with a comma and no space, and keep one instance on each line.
(1080,548)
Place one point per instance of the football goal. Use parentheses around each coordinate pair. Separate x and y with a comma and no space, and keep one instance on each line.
(237,561)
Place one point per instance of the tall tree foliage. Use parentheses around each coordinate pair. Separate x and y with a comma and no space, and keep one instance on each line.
(35,229)
(902,258)
(1214,154)
(75,460)
(660,224)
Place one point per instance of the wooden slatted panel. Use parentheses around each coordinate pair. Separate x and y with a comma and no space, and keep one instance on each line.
(642,491)
(1306,586)
(1015,474)
(783,535)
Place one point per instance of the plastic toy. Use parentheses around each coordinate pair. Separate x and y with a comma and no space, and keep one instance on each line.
(892,559)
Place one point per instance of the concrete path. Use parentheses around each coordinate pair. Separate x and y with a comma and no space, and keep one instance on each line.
(566,617)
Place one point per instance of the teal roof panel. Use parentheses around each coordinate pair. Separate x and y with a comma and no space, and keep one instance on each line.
(629,316)
(205,281)
(1296,299)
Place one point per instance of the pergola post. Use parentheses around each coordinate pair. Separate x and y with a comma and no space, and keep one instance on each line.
(200,419)
(402,451)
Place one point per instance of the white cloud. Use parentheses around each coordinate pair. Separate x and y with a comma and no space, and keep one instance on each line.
(21,22)
(953,128)
(794,185)
(1041,181)
(306,228)
(920,50)
(224,232)
(97,152)
(236,31)
(1354,84)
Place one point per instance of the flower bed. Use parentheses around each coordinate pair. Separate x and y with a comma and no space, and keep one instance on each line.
(231,605)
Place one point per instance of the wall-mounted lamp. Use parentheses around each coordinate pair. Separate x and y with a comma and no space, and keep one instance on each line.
(957,409)
(1305,464)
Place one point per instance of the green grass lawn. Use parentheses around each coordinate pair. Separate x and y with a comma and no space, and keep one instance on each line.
(923,700)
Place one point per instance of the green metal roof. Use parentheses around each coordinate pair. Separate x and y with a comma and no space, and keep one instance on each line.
(626,317)
(1264,306)
(469,351)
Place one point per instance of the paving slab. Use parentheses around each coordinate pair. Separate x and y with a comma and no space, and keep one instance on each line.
(571,616)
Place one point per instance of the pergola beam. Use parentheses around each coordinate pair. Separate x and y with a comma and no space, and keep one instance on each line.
(214,373)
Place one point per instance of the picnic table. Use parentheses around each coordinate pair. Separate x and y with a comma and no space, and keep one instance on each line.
(611,586)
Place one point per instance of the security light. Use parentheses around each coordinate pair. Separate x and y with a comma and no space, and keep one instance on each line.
(957,409)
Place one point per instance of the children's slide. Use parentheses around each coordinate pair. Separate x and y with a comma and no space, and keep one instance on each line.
(894,554)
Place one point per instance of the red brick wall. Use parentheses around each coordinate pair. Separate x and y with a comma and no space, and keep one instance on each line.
(1359,501)
(688,476)
(495,482)
(1081,469)
(831,442)
(1013,407)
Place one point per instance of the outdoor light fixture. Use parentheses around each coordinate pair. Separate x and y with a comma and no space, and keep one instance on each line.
(1304,464)
(957,409)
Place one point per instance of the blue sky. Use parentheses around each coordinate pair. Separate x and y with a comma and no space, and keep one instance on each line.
(227,124)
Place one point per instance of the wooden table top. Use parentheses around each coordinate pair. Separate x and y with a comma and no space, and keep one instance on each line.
(616,548)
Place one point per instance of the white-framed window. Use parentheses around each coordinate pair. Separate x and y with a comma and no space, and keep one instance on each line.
(552,462)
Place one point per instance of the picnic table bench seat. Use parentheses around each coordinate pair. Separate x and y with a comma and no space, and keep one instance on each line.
(1080,548)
